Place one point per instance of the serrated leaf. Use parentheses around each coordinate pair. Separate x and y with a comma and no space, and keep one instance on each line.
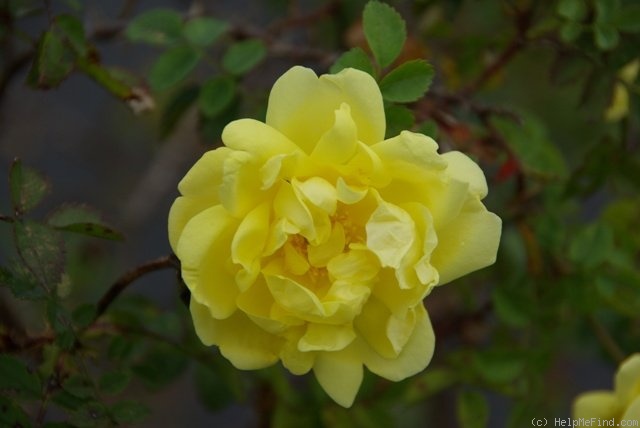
(204,31)
(93,229)
(497,366)
(12,415)
(432,382)
(399,118)
(172,67)
(385,31)
(52,63)
(73,32)
(83,220)
(429,128)
(84,315)
(160,366)
(28,187)
(15,376)
(114,383)
(575,10)
(353,58)
(128,411)
(241,57)
(42,252)
(216,95)
(408,82)
(628,19)
(570,31)
(22,283)
(156,27)
(472,409)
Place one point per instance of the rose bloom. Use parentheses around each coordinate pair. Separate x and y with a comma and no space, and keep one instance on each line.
(621,404)
(312,240)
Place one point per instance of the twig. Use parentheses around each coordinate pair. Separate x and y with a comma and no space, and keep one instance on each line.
(6,218)
(606,340)
(129,277)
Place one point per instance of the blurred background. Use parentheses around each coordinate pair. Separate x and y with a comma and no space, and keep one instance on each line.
(543,94)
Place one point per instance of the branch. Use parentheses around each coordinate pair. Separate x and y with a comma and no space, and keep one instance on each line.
(125,280)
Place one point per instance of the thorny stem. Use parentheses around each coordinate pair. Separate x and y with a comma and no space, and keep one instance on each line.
(125,280)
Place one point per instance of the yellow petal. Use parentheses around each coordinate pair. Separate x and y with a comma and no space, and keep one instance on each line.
(398,299)
(205,270)
(632,413)
(409,154)
(344,301)
(319,255)
(415,355)
(390,234)
(295,298)
(205,176)
(349,194)
(460,167)
(325,337)
(319,192)
(240,341)
(302,107)
(294,360)
(277,167)
(339,143)
(595,404)
(287,204)
(250,238)
(184,208)
(385,333)
(240,190)
(468,243)
(340,374)
(360,91)
(627,380)
(295,262)
(257,138)
(356,266)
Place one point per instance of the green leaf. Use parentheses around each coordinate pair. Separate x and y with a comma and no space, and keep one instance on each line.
(113,383)
(532,146)
(204,31)
(28,187)
(83,220)
(42,252)
(570,31)
(429,128)
(606,36)
(628,19)
(574,10)
(160,366)
(606,10)
(353,58)
(213,392)
(399,118)
(22,283)
(73,32)
(241,57)
(15,376)
(156,27)
(385,31)
(216,95)
(84,315)
(433,381)
(53,61)
(498,366)
(408,82)
(12,415)
(128,411)
(176,108)
(172,67)
(512,308)
(472,409)
(592,246)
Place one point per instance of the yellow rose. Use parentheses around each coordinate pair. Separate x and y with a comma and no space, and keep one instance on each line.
(621,404)
(311,240)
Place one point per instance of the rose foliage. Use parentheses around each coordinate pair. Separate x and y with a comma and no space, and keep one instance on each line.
(310,239)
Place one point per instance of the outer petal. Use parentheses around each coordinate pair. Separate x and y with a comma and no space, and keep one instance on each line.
(415,355)
(301,106)
(240,341)
(205,176)
(204,268)
(184,209)
(325,337)
(627,380)
(633,411)
(340,374)
(240,190)
(461,168)
(468,243)
(256,138)
(596,404)
(409,154)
